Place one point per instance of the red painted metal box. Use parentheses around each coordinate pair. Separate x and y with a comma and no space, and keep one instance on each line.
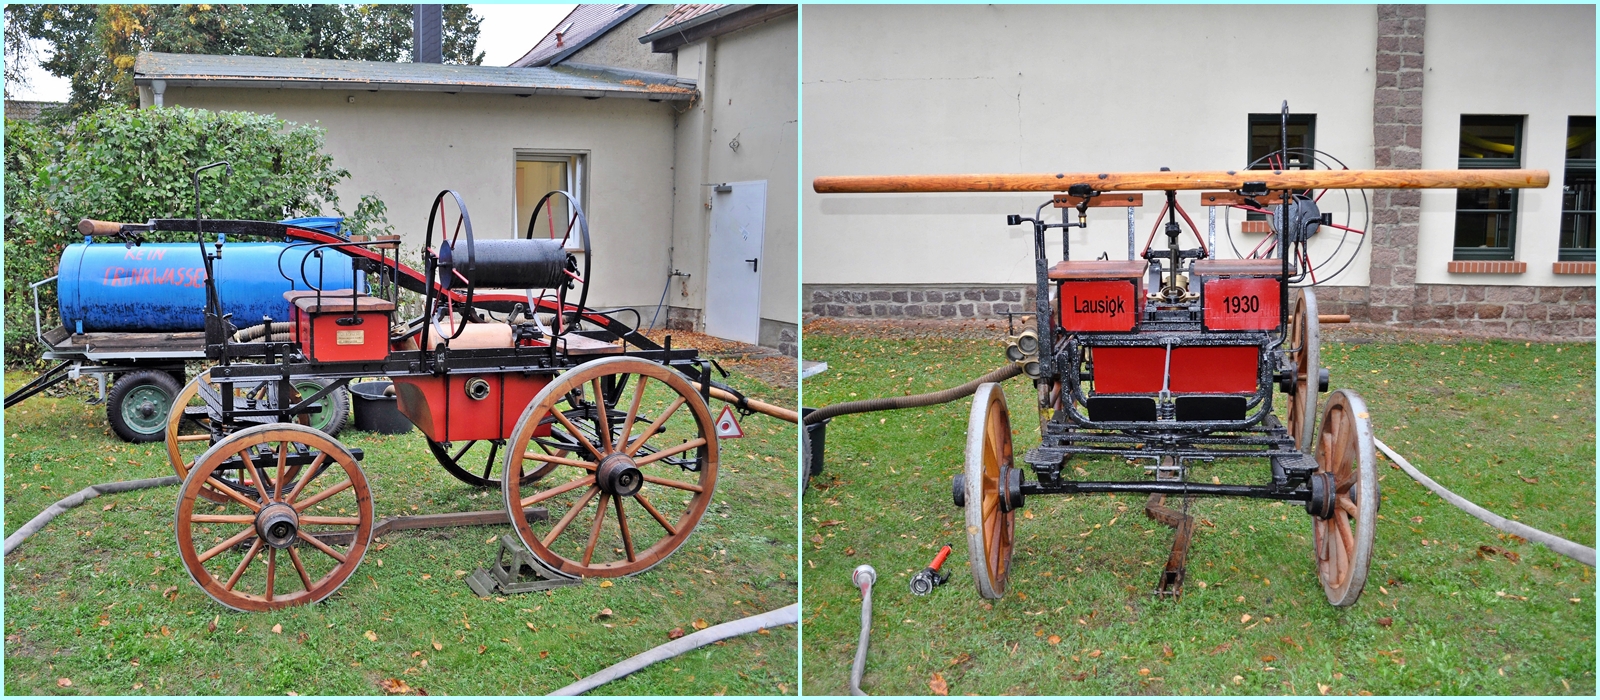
(1239,295)
(1099,295)
(330,328)
(1199,369)
(469,406)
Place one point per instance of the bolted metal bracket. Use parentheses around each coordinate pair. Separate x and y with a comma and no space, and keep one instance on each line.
(520,572)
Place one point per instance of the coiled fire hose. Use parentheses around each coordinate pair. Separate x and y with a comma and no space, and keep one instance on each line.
(43,518)
(279,331)
(864,576)
(786,615)
(916,401)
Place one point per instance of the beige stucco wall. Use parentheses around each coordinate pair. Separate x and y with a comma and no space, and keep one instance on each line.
(407,146)
(947,89)
(748,82)
(620,47)
(1537,61)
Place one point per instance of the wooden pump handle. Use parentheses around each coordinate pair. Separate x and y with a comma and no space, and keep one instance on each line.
(91,227)
(1194,180)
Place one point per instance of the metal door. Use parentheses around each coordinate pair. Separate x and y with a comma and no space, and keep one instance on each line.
(733,268)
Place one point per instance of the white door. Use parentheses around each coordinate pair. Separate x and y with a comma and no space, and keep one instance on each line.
(733,271)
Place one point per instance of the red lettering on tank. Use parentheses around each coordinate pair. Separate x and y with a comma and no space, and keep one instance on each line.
(133,254)
(166,276)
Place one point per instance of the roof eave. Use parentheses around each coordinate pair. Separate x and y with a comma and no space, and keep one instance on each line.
(714,23)
(669,95)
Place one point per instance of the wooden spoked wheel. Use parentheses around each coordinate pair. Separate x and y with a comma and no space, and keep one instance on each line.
(294,542)
(990,521)
(653,446)
(1343,543)
(1305,341)
(478,462)
(190,424)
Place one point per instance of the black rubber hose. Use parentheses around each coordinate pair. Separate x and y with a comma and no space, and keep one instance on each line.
(893,402)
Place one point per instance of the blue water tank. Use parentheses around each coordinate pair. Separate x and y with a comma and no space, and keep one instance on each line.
(160,287)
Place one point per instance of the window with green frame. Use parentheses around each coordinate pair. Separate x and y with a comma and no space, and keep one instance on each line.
(1266,137)
(1577,192)
(1486,219)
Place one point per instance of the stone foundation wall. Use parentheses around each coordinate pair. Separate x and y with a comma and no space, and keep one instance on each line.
(919,301)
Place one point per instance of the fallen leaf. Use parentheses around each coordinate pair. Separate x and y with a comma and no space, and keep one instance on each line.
(170,592)
(213,626)
(1385,621)
(829,523)
(1244,618)
(1530,480)
(961,658)
(1416,519)
(371,636)
(849,551)
(427,576)
(64,682)
(277,629)
(1054,639)
(1218,649)
(166,631)
(606,584)
(701,624)
(1323,689)
(1078,676)
(531,627)
(394,686)
(1166,651)
(938,686)
(1095,654)
(438,647)
(108,506)
(675,633)
(482,648)
(604,613)
(1268,659)
(544,654)
(1144,671)
(1238,679)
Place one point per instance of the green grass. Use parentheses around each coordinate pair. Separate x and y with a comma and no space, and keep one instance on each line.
(1485,419)
(100,597)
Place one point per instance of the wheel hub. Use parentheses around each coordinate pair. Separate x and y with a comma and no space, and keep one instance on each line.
(618,476)
(1010,488)
(278,524)
(1323,495)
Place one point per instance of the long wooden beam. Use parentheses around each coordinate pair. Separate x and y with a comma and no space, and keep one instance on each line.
(1195,180)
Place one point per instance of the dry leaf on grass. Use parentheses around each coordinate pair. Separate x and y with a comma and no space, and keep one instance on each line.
(277,629)
(64,682)
(938,686)
(394,686)
(438,647)
(675,633)
(371,636)
(701,624)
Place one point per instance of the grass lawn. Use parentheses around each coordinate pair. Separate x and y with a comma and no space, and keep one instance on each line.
(99,598)
(1507,425)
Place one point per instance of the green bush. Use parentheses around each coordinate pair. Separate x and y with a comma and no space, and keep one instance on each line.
(119,164)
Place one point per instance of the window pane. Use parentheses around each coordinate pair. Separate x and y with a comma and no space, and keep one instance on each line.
(1577,205)
(535,178)
(1580,138)
(1489,137)
(1266,137)
(1483,229)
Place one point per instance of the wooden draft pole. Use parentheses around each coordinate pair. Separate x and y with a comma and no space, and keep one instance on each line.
(1191,180)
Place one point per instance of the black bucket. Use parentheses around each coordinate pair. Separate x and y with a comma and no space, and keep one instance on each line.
(816,440)
(376,412)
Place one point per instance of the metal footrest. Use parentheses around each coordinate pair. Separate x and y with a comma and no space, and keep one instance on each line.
(521,572)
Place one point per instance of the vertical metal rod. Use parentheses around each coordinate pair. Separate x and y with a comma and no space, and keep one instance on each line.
(1211,229)
(1130,233)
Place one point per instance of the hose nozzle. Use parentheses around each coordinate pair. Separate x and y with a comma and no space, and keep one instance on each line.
(864,576)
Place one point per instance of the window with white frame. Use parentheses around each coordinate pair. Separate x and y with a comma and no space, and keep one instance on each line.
(539,173)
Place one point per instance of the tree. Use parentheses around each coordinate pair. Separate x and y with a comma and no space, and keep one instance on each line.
(94,46)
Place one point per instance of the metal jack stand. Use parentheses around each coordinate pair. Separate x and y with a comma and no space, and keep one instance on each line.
(523,573)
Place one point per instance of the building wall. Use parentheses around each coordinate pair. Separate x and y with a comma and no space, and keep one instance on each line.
(1540,64)
(901,90)
(407,146)
(620,47)
(747,79)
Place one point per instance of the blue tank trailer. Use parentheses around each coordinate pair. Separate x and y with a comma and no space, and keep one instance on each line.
(136,313)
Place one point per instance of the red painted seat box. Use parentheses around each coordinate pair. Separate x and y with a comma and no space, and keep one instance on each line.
(1239,295)
(1099,295)
(328,331)
(1196,369)
(442,409)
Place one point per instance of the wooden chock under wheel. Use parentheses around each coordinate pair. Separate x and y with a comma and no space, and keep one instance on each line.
(520,572)
(1171,582)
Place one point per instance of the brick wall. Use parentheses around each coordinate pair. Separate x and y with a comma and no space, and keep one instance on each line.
(1397,144)
(918,301)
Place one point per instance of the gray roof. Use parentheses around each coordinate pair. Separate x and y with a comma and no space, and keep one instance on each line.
(583,25)
(182,70)
(29,110)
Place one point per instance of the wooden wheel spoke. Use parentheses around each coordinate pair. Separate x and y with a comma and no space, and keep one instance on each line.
(300,568)
(1346,538)
(224,518)
(622,524)
(1348,506)
(655,426)
(320,497)
(256,472)
(553,459)
(552,493)
(329,520)
(679,449)
(567,519)
(228,491)
(311,473)
(272,570)
(602,421)
(673,484)
(227,544)
(248,557)
(594,532)
(671,531)
(321,546)
(192,438)
(576,434)
(633,410)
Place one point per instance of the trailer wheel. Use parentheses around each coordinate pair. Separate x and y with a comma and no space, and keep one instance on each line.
(1346,460)
(322,521)
(652,465)
(138,403)
(991,495)
(335,407)
(1305,337)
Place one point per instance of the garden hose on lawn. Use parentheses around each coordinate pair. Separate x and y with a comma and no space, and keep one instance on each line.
(917,401)
(786,615)
(39,521)
(864,576)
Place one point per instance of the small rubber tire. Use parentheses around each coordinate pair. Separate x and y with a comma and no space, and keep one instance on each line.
(138,403)
(336,406)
